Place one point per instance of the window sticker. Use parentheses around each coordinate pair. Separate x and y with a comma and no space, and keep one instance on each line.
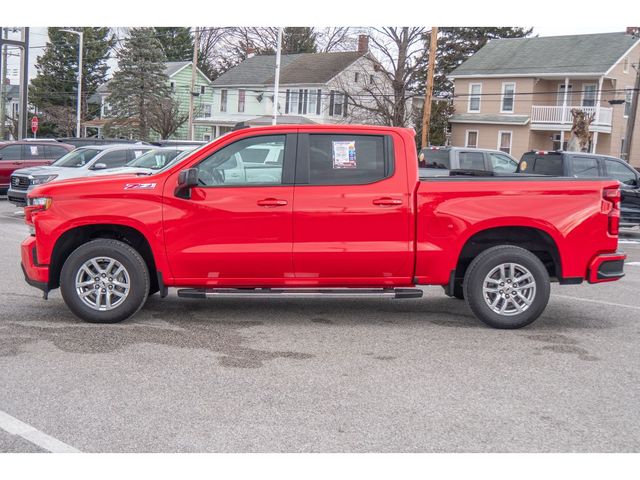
(34,150)
(137,153)
(344,154)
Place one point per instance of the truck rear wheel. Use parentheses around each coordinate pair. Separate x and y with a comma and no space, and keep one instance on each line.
(507,287)
(104,281)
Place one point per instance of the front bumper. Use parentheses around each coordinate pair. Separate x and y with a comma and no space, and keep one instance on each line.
(17,197)
(35,274)
(607,267)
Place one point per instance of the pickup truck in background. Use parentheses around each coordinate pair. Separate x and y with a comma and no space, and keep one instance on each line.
(341,213)
(589,165)
(439,161)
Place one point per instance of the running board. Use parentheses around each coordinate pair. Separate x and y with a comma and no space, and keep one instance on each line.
(300,293)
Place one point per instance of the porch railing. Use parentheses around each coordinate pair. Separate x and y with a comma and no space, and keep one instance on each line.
(562,115)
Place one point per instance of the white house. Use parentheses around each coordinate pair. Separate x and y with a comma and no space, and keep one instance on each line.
(312,90)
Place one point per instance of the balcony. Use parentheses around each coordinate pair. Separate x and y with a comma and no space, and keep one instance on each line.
(560,118)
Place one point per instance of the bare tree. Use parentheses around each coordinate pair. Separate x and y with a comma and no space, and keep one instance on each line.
(336,39)
(580,135)
(62,116)
(394,53)
(166,117)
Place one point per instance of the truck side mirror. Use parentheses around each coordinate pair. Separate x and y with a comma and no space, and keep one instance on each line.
(187,179)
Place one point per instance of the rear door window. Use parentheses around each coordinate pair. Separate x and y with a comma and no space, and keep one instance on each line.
(114,159)
(349,159)
(11,152)
(584,167)
(541,164)
(34,152)
(620,172)
(471,160)
(53,152)
(434,158)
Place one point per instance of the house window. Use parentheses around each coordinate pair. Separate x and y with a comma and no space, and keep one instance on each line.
(206,137)
(561,89)
(356,77)
(625,65)
(173,86)
(206,110)
(202,89)
(628,97)
(475,90)
(293,101)
(589,94)
(223,100)
(557,144)
(337,104)
(508,97)
(242,94)
(302,101)
(372,79)
(504,141)
(472,139)
(314,101)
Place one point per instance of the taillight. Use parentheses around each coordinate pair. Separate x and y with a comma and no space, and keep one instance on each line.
(611,197)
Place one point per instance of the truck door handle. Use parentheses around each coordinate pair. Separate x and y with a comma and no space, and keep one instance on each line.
(387,201)
(272,202)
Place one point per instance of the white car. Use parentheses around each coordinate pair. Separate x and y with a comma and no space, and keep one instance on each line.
(151,161)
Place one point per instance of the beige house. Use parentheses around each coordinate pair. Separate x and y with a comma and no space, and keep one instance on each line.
(516,95)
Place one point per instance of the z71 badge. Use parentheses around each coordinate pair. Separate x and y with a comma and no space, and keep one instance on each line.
(139,186)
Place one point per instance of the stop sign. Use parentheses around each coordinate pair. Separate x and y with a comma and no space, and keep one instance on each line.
(34,124)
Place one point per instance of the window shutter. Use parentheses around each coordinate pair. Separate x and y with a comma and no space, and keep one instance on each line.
(305,101)
(300,99)
(344,108)
(286,102)
(332,100)
(318,101)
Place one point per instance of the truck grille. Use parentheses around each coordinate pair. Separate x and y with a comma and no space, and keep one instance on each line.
(19,182)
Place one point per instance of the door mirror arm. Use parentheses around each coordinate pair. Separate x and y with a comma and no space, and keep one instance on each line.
(187,179)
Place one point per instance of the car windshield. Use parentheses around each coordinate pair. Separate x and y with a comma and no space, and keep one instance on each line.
(76,158)
(155,159)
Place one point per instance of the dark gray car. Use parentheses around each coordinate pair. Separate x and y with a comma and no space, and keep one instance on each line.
(438,161)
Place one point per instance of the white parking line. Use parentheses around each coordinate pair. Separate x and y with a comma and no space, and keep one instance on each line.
(633,242)
(33,435)
(622,305)
(635,264)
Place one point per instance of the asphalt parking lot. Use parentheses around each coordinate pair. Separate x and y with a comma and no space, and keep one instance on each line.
(319,375)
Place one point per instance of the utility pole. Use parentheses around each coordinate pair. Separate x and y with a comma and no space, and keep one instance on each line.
(194,69)
(276,85)
(631,120)
(3,88)
(79,99)
(428,94)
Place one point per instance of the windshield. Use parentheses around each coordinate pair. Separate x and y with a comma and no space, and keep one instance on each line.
(76,158)
(155,159)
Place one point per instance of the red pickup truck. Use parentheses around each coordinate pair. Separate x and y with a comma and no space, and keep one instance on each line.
(319,210)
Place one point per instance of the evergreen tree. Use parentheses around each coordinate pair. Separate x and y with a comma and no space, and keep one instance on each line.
(455,45)
(140,82)
(177,43)
(299,40)
(54,90)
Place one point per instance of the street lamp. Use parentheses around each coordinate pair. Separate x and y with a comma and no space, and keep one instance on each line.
(79,105)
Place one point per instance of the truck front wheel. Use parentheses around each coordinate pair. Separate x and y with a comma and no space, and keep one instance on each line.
(507,287)
(104,281)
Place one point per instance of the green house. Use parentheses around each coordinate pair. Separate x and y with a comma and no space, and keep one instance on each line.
(179,74)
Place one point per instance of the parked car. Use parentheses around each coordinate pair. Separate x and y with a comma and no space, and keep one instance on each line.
(88,141)
(149,162)
(589,165)
(179,143)
(31,153)
(347,216)
(438,161)
(80,162)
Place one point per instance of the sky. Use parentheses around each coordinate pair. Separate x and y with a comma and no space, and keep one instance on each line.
(39,38)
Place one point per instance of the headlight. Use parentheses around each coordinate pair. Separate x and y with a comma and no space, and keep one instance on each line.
(42,202)
(43,179)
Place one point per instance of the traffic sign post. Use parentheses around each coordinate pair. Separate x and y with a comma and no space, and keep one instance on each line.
(34,125)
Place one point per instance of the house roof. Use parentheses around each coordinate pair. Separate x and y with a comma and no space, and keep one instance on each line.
(297,68)
(567,54)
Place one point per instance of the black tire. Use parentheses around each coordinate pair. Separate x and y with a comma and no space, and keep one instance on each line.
(483,264)
(134,265)
(458,291)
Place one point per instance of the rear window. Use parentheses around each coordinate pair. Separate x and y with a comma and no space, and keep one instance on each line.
(541,164)
(434,158)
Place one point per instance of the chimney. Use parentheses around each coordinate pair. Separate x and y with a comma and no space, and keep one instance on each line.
(363,44)
(251,51)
